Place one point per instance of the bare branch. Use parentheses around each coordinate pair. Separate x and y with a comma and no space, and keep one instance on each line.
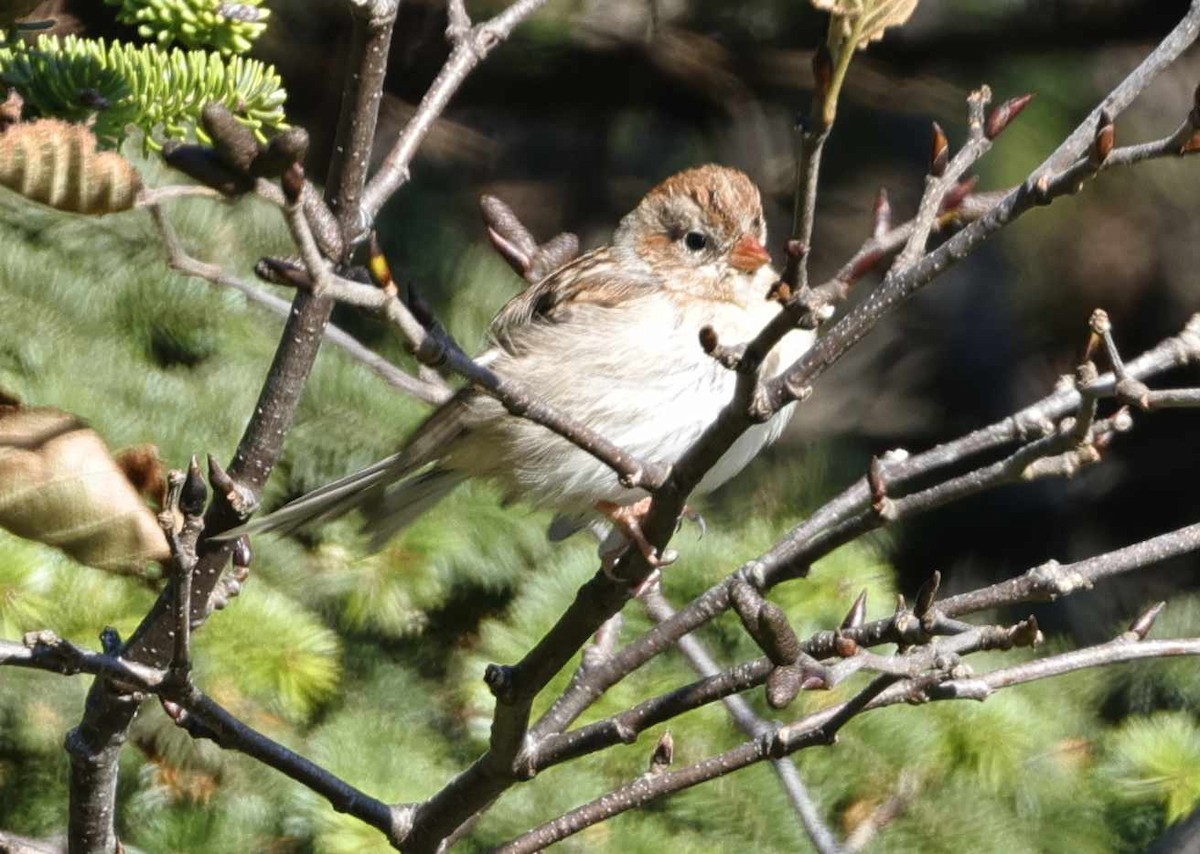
(94,746)
(752,725)
(431,391)
(470,48)
(819,728)
(853,512)
(363,89)
(1055,176)
(203,718)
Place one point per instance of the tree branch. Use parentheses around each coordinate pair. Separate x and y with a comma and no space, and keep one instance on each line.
(94,746)
(424,390)
(471,47)
(853,512)
(819,728)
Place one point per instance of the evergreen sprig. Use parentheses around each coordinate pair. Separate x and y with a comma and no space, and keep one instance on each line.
(159,91)
(227,27)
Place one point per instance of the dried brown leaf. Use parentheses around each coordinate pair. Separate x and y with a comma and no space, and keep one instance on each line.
(866,20)
(59,485)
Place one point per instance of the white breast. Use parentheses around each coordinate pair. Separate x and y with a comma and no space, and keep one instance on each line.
(651,393)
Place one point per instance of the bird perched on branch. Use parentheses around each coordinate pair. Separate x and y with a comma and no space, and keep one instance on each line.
(611,339)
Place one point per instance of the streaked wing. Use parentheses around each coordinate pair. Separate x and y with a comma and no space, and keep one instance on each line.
(592,278)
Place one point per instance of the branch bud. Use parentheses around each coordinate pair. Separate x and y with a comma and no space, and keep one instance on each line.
(282,151)
(1102,142)
(845,647)
(927,595)
(776,636)
(499,679)
(747,602)
(323,223)
(1141,627)
(194,493)
(243,554)
(857,614)
(234,142)
(377,264)
(204,165)
(875,482)
(1000,117)
(939,152)
(241,500)
(783,685)
(283,271)
(881,214)
(292,182)
(554,253)
(664,753)
(507,234)
(110,641)
(1026,633)
(957,194)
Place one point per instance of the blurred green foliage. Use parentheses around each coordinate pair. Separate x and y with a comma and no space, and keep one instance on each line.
(370,664)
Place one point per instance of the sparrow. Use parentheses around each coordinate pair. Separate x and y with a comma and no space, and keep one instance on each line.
(611,338)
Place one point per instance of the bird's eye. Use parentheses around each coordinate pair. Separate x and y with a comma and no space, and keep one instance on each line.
(695,241)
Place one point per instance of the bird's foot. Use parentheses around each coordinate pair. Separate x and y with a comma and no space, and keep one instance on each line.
(628,520)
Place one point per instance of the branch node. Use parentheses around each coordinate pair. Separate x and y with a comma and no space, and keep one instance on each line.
(1133,392)
(241,499)
(500,680)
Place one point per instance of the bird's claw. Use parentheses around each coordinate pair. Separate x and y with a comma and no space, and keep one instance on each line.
(692,515)
(628,520)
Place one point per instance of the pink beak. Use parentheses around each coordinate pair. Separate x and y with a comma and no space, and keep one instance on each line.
(748,254)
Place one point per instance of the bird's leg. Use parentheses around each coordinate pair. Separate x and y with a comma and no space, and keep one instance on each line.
(628,519)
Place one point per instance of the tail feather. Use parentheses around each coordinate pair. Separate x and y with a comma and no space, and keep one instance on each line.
(398,506)
(372,491)
(328,502)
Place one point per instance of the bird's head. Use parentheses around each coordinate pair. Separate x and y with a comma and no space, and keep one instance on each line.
(706,223)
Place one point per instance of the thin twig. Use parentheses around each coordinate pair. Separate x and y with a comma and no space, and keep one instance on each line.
(95,745)
(752,725)
(854,512)
(819,728)
(428,390)
(471,47)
